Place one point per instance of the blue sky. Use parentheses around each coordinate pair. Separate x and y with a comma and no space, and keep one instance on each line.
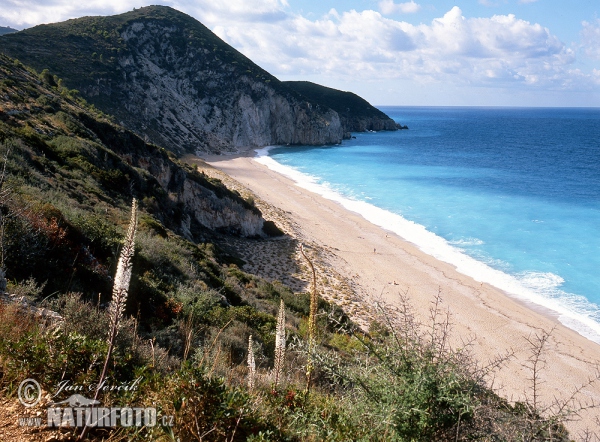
(430,52)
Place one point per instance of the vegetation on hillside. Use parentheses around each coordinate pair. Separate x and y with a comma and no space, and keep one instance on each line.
(92,46)
(350,107)
(66,190)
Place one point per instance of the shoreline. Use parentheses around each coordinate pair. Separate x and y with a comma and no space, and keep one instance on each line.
(378,263)
(440,249)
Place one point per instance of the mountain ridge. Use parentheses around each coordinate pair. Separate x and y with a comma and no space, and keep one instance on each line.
(7,30)
(168,78)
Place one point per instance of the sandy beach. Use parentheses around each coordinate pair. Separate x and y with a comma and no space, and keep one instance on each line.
(360,263)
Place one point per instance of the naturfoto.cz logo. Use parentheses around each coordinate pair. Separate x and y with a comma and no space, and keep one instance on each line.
(79,411)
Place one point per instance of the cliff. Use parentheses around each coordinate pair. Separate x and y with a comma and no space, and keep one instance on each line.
(198,200)
(356,114)
(168,78)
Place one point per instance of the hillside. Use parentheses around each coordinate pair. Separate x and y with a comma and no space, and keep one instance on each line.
(168,78)
(70,164)
(356,113)
(69,175)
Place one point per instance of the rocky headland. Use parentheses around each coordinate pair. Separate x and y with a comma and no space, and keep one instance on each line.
(356,113)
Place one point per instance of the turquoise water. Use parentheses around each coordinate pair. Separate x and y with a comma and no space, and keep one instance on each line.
(509,196)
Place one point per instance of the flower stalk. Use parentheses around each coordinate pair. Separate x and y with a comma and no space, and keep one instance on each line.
(116,308)
(279,344)
(251,364)
(312,320)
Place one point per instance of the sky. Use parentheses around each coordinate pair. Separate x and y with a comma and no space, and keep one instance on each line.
(414,53)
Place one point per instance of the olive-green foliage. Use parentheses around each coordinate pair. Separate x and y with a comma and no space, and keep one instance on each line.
(409,383)
(45,354)
(392,390)
(418,396)
(103,236)
(47,247)
(206,408)
(28,289)
(64,156)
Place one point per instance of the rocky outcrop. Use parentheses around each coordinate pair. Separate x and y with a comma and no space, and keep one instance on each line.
(364,124)
(356,114)
(220,213)
(27,306)
(200,202)
(199,199)
(198,108)
(172,81)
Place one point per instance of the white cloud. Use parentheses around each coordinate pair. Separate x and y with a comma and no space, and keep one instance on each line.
(389,7)
(493,3)
(26,13)
(590,39)
(253,11)
(347,47)
(366,45)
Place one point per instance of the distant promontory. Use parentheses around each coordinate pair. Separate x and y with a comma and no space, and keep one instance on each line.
(356,113)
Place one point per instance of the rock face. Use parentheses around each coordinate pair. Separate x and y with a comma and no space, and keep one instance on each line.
(199,200)
(171,80)
(197,102)
(201,203)
(356,114)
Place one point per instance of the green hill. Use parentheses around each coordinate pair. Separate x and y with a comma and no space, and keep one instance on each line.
(92,46)
(75,172)
(167,77)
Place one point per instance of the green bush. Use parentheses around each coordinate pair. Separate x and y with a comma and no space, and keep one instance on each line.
(207,409)
(46,354)
(101,235)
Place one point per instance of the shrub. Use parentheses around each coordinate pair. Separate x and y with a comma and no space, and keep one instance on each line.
(409,384)
(205,408)
(46,354)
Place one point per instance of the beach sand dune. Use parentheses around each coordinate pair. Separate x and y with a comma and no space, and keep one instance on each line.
(360,263)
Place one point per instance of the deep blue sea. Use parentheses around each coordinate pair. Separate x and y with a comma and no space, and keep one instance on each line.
(510,196)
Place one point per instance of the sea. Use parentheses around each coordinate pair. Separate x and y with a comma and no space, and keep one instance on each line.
(509,196)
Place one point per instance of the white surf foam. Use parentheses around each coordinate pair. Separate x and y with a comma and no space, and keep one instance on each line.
(542,289)
(467,242)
